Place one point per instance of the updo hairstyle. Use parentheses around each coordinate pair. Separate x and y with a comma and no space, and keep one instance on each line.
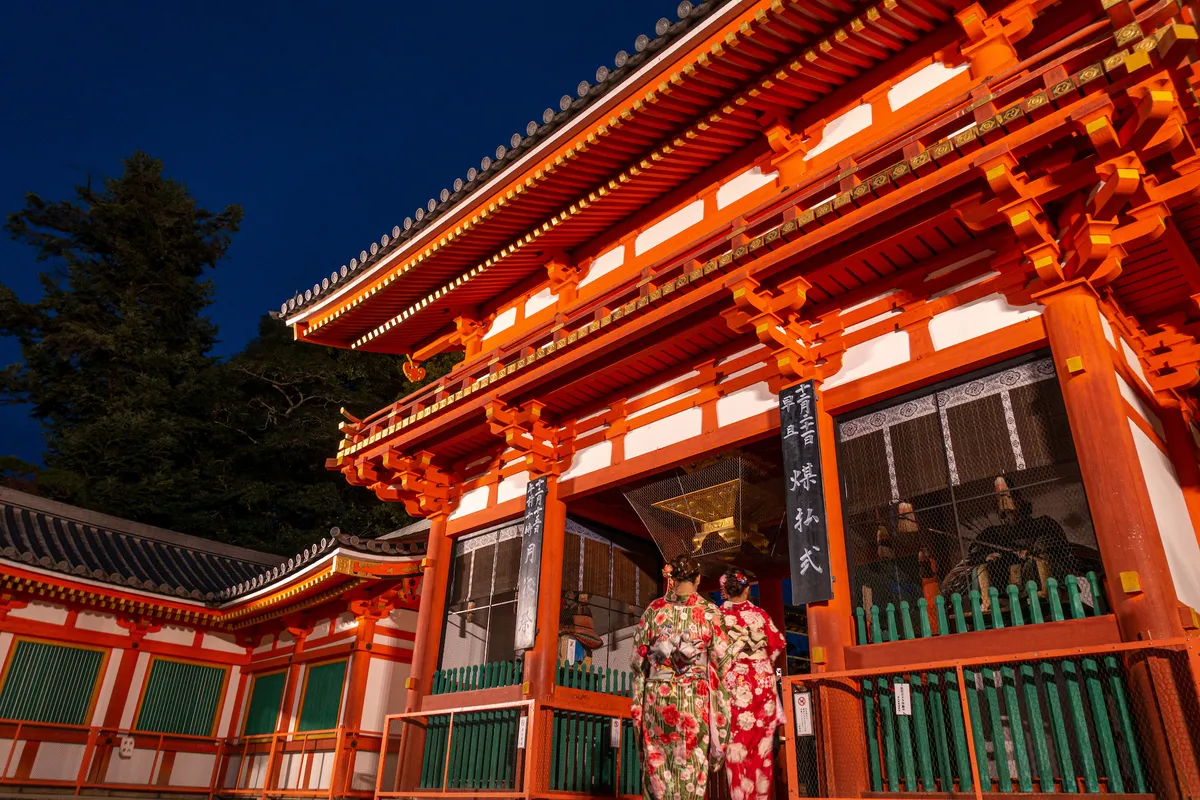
(734,581)
(682,568)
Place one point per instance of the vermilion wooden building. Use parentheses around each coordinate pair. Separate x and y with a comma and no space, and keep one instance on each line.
(972,226)
(136,661)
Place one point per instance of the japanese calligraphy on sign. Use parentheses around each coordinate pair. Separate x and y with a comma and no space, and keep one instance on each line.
(529,574)
(808,534)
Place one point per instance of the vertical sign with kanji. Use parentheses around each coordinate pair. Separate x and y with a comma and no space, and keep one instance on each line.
(529,574)
(808,536)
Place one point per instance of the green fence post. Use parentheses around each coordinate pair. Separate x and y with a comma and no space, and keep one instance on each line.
(868,697)
(921,733)
(943,621)
(1098,605)
(962,753)
(891,623)
(997,617)
(1095,692)
(1033,706)
(978,622)
(887,714)
(941,746)
(906,626)
(923,615)
(904,727)
(1116,688)
(960,622)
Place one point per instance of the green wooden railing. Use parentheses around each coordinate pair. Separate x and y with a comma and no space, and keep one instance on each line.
(583,758)
(482,754)
(483,747)
(1005,608)
(595,679)
(1018,713)
(477,676)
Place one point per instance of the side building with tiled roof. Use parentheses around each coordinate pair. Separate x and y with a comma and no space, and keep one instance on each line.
(134,658)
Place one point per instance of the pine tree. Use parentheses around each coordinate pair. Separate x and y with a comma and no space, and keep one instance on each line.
(116,354)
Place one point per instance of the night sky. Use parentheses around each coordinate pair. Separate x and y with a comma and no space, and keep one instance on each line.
(329,124)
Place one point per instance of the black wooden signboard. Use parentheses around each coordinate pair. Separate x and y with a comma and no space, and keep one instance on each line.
(531,564)
(808,534)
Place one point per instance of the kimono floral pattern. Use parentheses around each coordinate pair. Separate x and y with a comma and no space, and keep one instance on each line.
(755,707)
(679,705)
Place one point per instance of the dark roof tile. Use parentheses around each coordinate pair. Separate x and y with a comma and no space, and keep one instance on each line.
(74,541)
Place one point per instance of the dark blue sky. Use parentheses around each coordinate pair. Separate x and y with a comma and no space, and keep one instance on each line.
(329,124)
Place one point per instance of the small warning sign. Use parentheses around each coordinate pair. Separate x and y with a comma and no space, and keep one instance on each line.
(804,719)
(903,692)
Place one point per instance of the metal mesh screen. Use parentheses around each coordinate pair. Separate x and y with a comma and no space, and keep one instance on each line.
(481,619)
(971,488)
(719,512)
(605,591)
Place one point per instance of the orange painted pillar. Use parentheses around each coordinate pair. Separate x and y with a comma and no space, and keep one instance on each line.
(1123,519)
(543,659)
(356,690)
(841,743)
(1126,531)
(431,613)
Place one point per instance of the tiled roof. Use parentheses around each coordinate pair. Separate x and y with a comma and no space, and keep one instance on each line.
(54,536)
(586,94)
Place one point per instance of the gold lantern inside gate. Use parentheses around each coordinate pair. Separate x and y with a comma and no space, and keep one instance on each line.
(726,509)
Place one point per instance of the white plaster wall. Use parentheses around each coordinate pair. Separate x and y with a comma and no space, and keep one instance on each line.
(922,82)
(174,634)
(745,183)
(869,321)
(109,680)
(589,459)
(345,622)
(474,500)
(1139,406)
(661,433)
(662,403)
(604,264)
(503,321)
(838,130)
(321,629)
(135,688)
(227,723)
(746,402)
(41,612)
(6,748)
(401,618)
(740,353)
(1108,331)
(512,487)
(56,761)
(539,302)
(192,769)
(660,386)
(867,358)
(135,769)
(385,693)
(222,642)
(977,318)
(671,225)
(1133,361)
(101,623)
(1171,514)
(5,644)
(295,709)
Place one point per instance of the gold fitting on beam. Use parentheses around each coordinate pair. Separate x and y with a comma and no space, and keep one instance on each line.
(1075,365)
(1131,582)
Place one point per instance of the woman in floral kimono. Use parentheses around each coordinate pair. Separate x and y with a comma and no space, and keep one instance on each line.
(678,701)
(755,707)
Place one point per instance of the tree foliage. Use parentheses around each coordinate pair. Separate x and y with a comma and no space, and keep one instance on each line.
(139,419)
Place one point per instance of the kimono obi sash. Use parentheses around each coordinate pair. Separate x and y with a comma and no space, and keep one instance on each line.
(692,672)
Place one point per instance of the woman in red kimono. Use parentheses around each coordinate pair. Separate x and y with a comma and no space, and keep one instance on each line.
(755,707)
(679,704)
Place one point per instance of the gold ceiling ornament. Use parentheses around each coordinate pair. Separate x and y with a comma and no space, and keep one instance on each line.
(716,509)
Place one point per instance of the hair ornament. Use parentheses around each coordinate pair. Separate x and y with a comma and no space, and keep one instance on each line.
(667,570)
